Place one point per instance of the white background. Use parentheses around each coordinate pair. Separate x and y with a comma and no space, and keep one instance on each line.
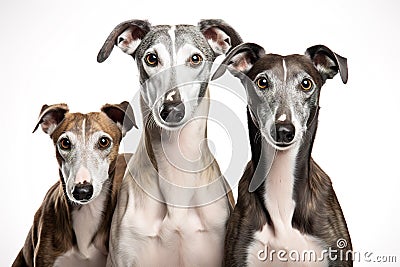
(48,55)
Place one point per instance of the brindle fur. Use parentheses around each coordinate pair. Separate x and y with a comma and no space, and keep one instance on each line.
(52,234)
(317,211)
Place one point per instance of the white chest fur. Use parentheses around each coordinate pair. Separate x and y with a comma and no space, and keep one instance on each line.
(74,258)
(159,235)
(280,244)
(187,231)
(85,222)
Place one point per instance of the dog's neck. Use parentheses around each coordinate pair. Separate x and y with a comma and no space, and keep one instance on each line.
(278,187)
(287,181)
(87,219)
(182,158)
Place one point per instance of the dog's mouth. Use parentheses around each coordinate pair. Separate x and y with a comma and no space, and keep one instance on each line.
(281,145)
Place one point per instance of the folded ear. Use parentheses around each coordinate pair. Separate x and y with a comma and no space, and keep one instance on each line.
(327,62)
(241,59)
(122,114)
(220,35)
(127,36)
(50,117)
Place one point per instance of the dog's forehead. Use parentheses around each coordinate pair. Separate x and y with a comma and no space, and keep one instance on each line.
(158,34)
(292,64)
(71,122)
(177,35)
(268,62)
(189,34)
(301,63)
(181,33)
(87,124)
(99,121)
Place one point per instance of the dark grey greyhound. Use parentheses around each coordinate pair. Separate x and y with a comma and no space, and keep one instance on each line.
(287,213)
(173,205)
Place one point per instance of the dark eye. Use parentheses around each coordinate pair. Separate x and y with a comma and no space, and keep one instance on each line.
(151,60)
(195,59)
(262,83)
(306,84)
(104,142)
(65,144)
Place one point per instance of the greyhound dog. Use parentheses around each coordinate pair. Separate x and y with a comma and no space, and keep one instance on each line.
(174,203)
(286,204)
(71,227)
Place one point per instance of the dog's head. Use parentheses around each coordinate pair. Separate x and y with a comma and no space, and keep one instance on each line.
(86,145)
(174,63)
(283,91)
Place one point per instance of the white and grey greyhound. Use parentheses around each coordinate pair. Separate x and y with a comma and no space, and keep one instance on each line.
(174,202)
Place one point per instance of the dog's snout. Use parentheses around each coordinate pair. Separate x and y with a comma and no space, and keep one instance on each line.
(283,133)
(83,191)
(172,112)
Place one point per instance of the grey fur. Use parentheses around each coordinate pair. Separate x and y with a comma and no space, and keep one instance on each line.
(137,37)
(317,212)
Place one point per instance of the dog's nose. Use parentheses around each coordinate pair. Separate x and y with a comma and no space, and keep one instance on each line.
(172,111)
(83,191)
(283,133)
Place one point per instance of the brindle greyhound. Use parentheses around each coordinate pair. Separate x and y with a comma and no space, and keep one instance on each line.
(286,203)
(71,227)
(173,205)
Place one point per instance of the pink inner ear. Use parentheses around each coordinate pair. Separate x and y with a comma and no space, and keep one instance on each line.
(137,33)
(218,40)
(49,123)
(130,39)
(241,63)
(210,34)
(130,35)
(222,43)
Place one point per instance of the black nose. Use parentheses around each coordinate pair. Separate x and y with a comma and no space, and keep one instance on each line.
(283,133)
(83,191)
(172,111)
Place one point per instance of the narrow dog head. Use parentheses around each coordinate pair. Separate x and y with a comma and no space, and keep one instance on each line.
(176,58)
(283,91)
(86,145)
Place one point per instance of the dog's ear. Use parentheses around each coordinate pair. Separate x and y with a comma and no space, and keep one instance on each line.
(50,117)
(220,35)
(327,62)
(127,36)
(240,59)
(122,114)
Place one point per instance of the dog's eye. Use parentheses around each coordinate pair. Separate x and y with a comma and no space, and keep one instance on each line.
(65,144)
(151,60)
(104,142)
(262,83)
(195,59)
(306,84)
